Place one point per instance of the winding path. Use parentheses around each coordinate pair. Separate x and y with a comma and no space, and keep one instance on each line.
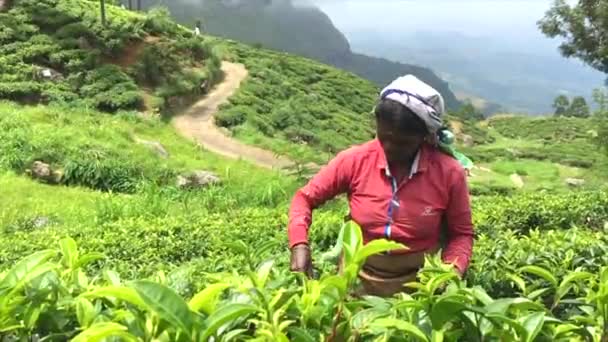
(197,123)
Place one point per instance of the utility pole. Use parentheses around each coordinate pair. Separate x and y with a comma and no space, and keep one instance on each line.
(139,5)
(130,5)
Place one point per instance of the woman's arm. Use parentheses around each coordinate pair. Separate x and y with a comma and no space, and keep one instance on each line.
(460,234)
(330,181)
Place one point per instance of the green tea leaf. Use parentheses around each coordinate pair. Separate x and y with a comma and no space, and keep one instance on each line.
(403,326)
(537,293)
(30,316)
(85,312)
(206,300)
(24,266)
(263,272)
(32,274)
(166,303)
(100,331)
(374,247)
(437,336)
(123,293)
(88,258)
(232,334)
(502,319)
(444,311)
(541,273)
(518,281)
(111,277)
(533,324)
(437,281)
(353,239)
(566,284)
(69,251)
(225,314)
(300,335)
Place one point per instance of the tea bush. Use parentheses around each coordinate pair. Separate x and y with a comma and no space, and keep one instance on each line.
(524,212)
(263,304)
(550,129)
(91,64)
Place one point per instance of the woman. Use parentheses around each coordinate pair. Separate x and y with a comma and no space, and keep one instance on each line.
(400,187)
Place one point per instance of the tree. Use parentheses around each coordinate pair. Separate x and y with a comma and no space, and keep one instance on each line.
(561,105)
(102,4)
(579,108)
(139,5)
(583,27)
(130,5)
(468,112)
(600,116)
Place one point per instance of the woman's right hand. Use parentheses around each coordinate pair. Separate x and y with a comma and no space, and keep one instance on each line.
(301,260)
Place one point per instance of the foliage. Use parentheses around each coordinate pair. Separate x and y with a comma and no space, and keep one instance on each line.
(59,51)
(101,152)
(62,301)
(582,27)
(600,96)
(524,212)
(579,107)
(468,112)
(555,129)
(289,104)
(561,105)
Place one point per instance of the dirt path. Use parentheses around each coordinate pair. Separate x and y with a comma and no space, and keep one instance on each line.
(197,123)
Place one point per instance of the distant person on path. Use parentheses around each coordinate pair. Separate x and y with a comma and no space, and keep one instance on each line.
(401,186)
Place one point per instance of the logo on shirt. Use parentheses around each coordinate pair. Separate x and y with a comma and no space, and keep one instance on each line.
(428,211)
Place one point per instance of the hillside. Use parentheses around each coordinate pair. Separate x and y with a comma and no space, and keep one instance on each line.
(305,31)
(136,233)
(59,51)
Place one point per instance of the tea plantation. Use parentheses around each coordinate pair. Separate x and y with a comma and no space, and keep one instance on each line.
(115,249)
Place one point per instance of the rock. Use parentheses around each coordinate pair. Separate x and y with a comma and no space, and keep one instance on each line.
(575,182)
(44,172)
(50,74)
(41,222)
(84,44)
(467,140)
(197,179)
(227,132)
(517,180)
(154,146)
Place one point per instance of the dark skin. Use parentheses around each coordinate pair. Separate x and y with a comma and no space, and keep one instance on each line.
(400,150)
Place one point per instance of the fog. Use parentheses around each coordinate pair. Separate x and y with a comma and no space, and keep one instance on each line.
(485,48)
(510,22)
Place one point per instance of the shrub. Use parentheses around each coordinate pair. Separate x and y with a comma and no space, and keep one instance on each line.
(109,88)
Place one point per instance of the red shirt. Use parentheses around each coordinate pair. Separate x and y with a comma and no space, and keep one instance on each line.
(436,186)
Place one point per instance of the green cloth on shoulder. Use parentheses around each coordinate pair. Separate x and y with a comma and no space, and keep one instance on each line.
(446,140)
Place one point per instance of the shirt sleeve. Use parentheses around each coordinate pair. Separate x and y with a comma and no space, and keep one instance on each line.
(330,181)
(460,227)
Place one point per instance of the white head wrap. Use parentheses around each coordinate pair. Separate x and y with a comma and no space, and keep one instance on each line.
(419,97)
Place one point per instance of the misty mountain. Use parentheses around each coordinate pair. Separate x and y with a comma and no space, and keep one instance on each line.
(294,28)
(485,49)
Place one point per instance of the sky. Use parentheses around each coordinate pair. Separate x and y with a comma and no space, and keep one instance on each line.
(512,21)
(444,34)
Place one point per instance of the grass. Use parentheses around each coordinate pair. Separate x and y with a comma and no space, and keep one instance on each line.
(102,145)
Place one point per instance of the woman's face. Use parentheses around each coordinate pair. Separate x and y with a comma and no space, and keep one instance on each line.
(398,147)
